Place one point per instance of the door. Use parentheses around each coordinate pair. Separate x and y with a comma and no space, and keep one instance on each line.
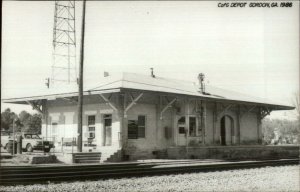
(192,126)
(227,130)
(223,131)
(181,128)
(107,129)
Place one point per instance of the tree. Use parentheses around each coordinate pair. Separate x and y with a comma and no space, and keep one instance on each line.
(25,122)
(287,130)
(7,118)
(24,118)
(268,130)
(30,123)
(35,124)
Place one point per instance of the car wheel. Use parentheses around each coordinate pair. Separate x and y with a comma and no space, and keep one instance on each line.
(29,148)
(47,150)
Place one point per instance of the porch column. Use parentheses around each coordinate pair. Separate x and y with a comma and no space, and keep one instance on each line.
(238,125)
(122,106)
(45,116)
(214,122)
(262,113)
(259,128)
(203,121)
(158,130)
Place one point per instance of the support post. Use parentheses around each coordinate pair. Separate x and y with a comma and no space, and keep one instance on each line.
(133,102)
(120,114)
(214,121)
(239,125)
(204,120)
(35,107)
(225,109)
(124,130)
(62,144)
(80,91)
(19,144)
(13,137)
(45,115)
(108,102)
(259,118)
(158,120)
(166,107)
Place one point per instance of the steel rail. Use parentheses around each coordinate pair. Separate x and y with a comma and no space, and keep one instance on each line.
(128,170)
(92,166)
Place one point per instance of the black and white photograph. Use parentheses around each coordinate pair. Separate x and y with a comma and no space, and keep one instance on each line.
(150,96)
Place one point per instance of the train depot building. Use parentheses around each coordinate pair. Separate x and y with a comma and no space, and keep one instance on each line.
(133,116)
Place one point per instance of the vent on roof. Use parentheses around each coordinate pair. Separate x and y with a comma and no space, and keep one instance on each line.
(106,74)
(201,82)
(152,73)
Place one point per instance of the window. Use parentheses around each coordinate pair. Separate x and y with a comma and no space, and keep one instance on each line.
(192,126)
(181,125)
(35,137)
(27,136)
(136,128)
(54,128)
(132,129)
(181,120)
(91,126)
(181,130)
(141,126)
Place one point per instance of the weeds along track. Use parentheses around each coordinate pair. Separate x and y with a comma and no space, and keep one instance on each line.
(14,175)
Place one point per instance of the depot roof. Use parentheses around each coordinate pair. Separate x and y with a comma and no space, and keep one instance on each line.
(134,81)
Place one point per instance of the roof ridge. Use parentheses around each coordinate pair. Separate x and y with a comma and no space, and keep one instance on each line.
(158,86)
(161,78)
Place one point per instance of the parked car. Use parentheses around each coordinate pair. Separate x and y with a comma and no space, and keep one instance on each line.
(30,142)
(4,141)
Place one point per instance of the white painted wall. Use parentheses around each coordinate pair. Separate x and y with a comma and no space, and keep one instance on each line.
(150,140)
(66,116)
(249,126)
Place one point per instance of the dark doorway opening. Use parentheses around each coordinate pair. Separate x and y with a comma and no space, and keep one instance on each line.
(223,131)
(227,135)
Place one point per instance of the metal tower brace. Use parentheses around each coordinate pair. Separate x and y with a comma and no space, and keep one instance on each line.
(64,44)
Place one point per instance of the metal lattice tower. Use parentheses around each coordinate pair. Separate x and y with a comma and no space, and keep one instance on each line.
(64,44)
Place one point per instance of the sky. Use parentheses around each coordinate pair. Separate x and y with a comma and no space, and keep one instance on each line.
(249,50)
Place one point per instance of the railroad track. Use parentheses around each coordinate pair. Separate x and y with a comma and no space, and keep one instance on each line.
(43,174)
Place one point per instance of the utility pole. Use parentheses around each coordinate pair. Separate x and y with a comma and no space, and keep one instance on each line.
(80,91)
(13,137)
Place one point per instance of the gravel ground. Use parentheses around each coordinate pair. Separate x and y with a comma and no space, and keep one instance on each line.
(283,178)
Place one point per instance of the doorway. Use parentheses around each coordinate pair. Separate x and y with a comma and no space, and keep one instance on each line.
(107,130)
(227,130)
(181,131)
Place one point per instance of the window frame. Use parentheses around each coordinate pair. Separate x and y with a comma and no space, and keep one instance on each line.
(138,127)
(54,128)
(195,132)
(142,126)
(182,126)
(131,135)
(92,125)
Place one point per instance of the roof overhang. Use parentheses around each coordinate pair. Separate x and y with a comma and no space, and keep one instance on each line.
(213,98)
(23,100)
